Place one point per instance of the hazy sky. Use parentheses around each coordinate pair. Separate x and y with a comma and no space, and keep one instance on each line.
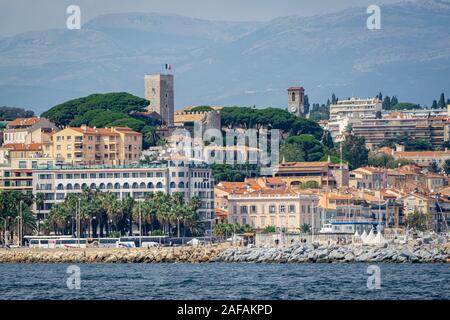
(18,16)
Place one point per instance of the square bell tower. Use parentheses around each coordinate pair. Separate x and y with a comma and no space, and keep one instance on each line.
(295,101)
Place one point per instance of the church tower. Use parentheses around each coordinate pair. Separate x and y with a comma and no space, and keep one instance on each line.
(295,101)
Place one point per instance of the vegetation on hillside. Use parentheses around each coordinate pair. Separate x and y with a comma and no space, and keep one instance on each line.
(274,118)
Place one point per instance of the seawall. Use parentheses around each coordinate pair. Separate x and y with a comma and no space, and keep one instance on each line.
(295,253)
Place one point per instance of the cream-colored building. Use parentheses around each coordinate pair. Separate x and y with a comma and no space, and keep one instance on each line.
(355,108)
(261,203)
(28,131)
(109,146)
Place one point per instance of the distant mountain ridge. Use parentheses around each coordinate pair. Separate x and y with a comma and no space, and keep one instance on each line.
(235,63)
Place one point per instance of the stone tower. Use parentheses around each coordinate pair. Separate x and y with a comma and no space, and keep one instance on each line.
(295,101)
(159,91)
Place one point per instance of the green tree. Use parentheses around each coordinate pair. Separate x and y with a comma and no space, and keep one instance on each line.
(446,166)
(302,148)
(434,167)
(306,104)
(387,103)
(434,105)
(327,140)
(394,102)
(441,103)
(355,152)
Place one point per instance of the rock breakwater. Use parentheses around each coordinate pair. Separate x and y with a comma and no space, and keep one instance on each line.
(91,255)
(295,253)
(309,253)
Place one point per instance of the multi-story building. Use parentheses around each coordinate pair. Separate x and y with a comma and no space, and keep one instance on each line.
(423,159)
(368,178)
(125,181)
(324,174)
(355,109)
(109,146)
(375,131)
(159,92)
(261,204)
(28,131)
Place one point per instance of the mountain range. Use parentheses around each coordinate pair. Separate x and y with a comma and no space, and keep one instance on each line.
(235,63)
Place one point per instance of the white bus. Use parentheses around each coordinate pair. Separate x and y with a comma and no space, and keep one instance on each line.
(106,242)
(52,242)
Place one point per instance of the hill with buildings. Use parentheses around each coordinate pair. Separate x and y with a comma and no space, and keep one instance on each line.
(235,63)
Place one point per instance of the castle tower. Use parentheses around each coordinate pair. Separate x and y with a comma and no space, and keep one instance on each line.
(295,101)
(159,91)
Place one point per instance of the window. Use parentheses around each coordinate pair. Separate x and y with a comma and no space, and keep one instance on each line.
(272,209)
(244,209)
(253,209)
(282,208)
(291,208)
(22,164)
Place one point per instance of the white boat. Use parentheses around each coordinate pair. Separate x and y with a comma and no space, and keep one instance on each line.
(327,228)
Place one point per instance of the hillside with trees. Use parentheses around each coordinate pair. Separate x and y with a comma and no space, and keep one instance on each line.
(106,110)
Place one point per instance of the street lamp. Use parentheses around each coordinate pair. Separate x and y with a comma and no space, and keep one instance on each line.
(78,221)
(20,231)
(140,225)
(4,228)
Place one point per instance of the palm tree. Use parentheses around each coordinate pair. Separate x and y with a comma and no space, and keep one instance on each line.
(113,208)
(305,228)
(57,217)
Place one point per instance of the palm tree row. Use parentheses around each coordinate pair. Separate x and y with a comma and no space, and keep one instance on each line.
(103,214)
(15,206)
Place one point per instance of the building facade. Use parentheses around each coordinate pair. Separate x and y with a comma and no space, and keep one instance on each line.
(355,108)
(28,131)
(323,174)
(137,182)
(109,146)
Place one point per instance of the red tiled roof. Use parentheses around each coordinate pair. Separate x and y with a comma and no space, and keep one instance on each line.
(23,121)
(23,147)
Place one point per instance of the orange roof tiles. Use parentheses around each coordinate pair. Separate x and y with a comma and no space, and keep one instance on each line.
(23,147)
(427,154)
(23,122)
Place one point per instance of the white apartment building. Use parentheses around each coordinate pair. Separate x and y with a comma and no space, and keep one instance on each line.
(137,182)
(355,109)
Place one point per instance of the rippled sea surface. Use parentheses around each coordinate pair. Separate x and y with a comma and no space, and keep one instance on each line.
(224,281)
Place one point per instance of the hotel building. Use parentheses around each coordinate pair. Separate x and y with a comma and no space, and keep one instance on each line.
(137,182)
